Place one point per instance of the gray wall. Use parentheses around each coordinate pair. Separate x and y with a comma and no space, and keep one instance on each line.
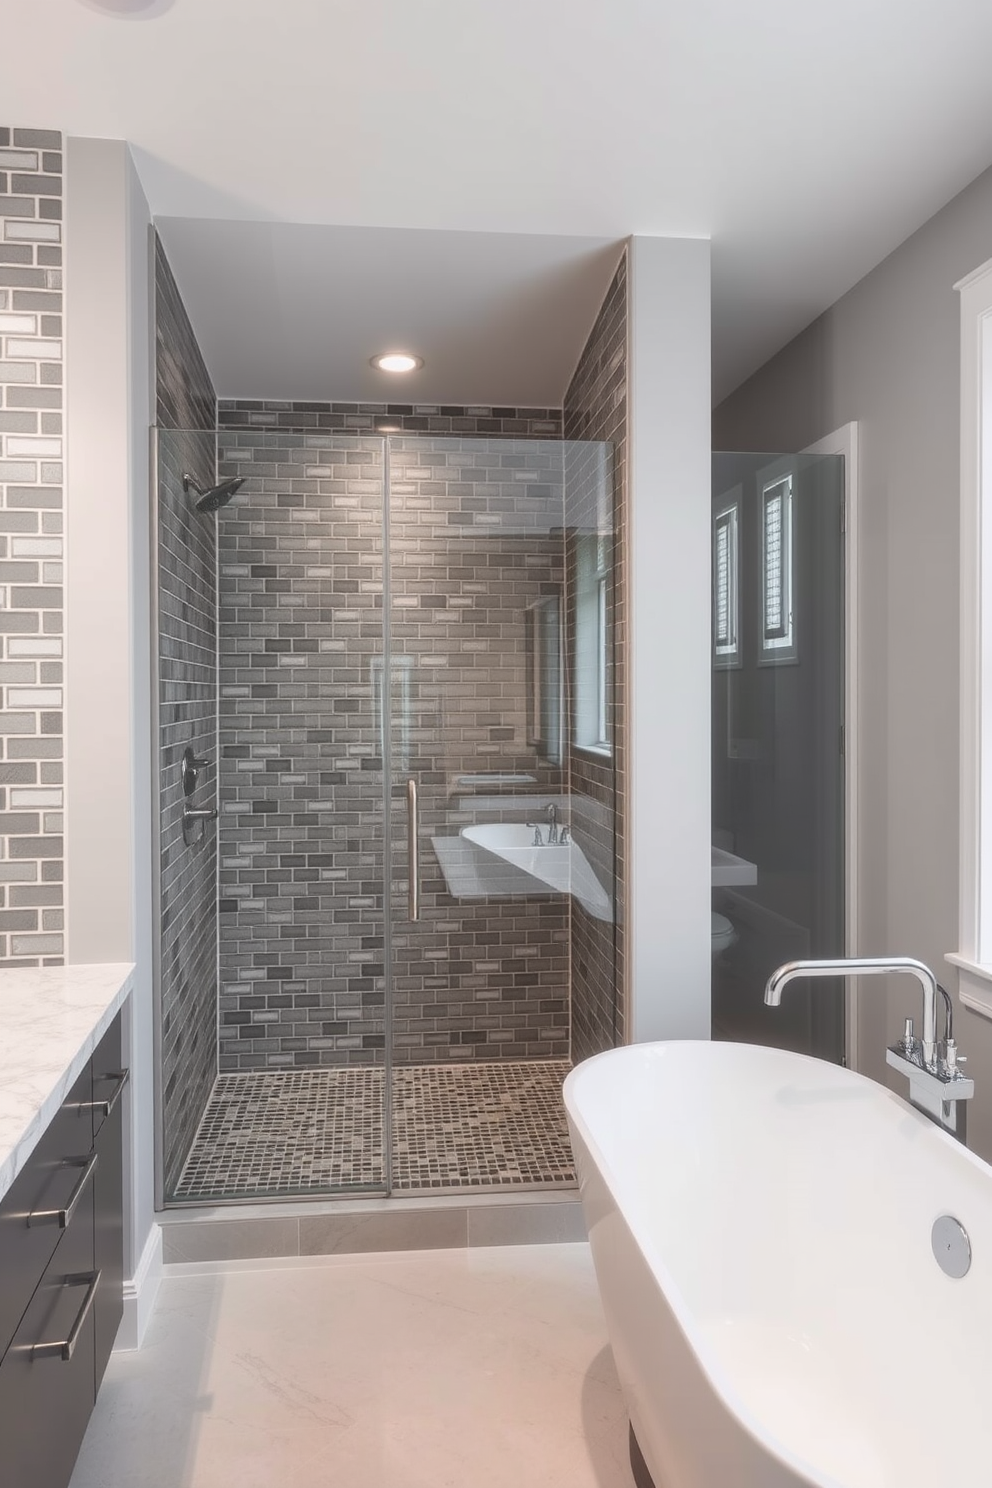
(886,355)
(669,556)
(187,622)
(596,409)
(109,380)
(31,526)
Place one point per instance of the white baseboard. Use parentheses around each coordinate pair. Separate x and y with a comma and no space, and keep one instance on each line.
(140,1292)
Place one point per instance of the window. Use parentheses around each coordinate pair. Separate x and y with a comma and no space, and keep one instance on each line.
(544,672)
(775,602)
(726,586)
(592,642)
(776,569)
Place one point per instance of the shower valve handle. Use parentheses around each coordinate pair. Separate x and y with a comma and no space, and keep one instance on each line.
(190,770)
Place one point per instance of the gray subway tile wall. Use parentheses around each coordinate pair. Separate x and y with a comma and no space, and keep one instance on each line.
(187,625)
(31,548)
(596,409)
(301,828)
(391,418)
(476,536)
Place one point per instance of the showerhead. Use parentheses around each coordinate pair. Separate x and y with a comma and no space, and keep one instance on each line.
(217,496)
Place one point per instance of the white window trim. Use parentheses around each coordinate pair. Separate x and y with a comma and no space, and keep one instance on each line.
(593,646)
(973,958)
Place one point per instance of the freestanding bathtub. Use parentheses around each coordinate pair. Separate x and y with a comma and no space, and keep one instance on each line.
(761,1229)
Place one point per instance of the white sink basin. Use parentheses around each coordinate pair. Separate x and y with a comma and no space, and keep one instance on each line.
(564,868)
(515,842)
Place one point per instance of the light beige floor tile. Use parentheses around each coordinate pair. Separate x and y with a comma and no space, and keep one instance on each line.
(482,1368)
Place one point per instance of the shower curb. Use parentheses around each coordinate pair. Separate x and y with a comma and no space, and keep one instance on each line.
(242,1232)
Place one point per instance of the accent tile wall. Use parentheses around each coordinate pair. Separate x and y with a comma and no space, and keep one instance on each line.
(187,624)
(31,548)
(392,418)
(476,537)
(596,409)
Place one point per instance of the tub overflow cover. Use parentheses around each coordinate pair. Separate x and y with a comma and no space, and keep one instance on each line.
(951,1246)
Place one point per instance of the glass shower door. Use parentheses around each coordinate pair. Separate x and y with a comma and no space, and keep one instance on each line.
(778,763)
(292,1063)
(478,945)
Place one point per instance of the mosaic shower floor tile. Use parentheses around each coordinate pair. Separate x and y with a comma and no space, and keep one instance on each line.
(479,1126)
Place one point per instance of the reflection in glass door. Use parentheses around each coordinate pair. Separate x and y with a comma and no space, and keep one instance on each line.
(778,764)
(479,944)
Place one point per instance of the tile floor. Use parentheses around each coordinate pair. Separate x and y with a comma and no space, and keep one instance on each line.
(448,1369)
(455,1127)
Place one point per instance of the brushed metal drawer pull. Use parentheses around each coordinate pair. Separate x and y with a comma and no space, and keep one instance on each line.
(62,1217)
(105,1107)
(66,1347)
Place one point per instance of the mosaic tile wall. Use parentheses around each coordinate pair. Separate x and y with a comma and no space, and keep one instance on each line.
(31,548)
(596,409)
(187,621)
(302,935)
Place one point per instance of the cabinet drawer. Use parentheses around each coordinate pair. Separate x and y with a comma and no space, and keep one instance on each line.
(46,1393)
(54,1176)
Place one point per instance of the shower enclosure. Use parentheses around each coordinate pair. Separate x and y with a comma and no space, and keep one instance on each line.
(383,657)
(778,744)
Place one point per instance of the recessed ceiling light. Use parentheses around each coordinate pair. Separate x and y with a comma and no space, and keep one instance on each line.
(397,361)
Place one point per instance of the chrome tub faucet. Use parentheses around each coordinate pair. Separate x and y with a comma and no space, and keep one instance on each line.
(937,1086)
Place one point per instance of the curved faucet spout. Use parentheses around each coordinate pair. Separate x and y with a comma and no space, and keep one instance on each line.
(870,966)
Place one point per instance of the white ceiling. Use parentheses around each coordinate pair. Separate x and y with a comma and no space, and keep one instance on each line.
(289,311)
(806,140)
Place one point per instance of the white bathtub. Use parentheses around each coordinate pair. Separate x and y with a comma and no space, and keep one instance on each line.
(760,1224)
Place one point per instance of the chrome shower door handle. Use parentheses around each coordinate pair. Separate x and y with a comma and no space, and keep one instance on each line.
(413,849)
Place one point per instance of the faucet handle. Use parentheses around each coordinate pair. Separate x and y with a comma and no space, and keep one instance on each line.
(909,1037)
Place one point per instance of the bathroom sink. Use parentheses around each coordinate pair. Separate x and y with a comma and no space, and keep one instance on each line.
(515,842)
(564,868)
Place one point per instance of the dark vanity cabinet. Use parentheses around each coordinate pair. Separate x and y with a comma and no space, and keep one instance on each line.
(62,1276)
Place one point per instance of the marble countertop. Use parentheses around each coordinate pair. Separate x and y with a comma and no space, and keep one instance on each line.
(51,1020)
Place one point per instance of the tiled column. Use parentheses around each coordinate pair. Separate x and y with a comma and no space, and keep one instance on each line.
(31,410)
